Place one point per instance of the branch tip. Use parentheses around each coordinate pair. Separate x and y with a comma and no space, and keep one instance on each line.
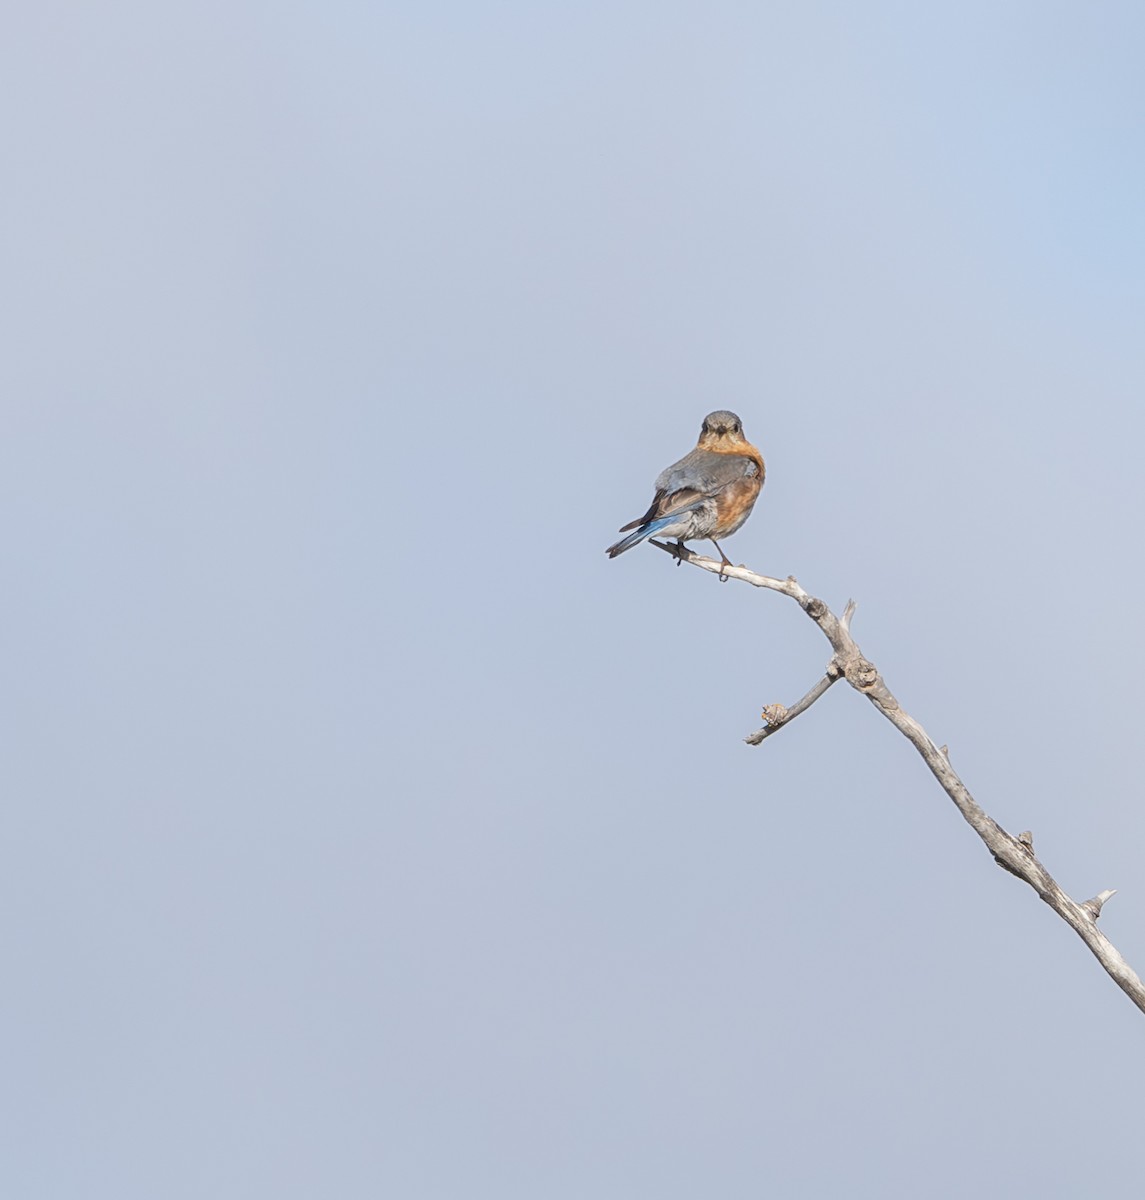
(1094,905)
(848,613)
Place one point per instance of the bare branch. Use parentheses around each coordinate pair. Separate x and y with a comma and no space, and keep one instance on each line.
(777,716)
(1015,854)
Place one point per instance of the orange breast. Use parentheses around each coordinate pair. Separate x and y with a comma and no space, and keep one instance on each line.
(734,504)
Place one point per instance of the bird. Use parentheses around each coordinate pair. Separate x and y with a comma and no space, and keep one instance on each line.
(707,494)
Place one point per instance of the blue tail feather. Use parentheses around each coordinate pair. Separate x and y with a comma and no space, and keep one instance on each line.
(638,535)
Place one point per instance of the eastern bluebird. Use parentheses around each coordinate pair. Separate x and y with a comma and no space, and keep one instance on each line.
(707,494)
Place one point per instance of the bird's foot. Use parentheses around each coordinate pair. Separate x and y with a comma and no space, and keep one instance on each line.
(724,560)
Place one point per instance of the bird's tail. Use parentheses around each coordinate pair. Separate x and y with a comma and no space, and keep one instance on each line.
(638,535)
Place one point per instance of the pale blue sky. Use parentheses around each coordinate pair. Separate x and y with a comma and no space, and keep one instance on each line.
(368,832)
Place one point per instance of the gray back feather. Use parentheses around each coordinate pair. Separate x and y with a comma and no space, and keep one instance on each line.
(705,471)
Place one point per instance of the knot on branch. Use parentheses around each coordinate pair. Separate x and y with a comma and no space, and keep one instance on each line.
(774,714)
(1024,843)
(862,674)
(815,608)
(835,669)
(1006,867)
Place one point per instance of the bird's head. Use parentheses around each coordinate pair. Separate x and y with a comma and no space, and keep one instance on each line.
(721,430)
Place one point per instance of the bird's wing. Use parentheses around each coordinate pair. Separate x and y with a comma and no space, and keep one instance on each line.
(663,504)
(703,473)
